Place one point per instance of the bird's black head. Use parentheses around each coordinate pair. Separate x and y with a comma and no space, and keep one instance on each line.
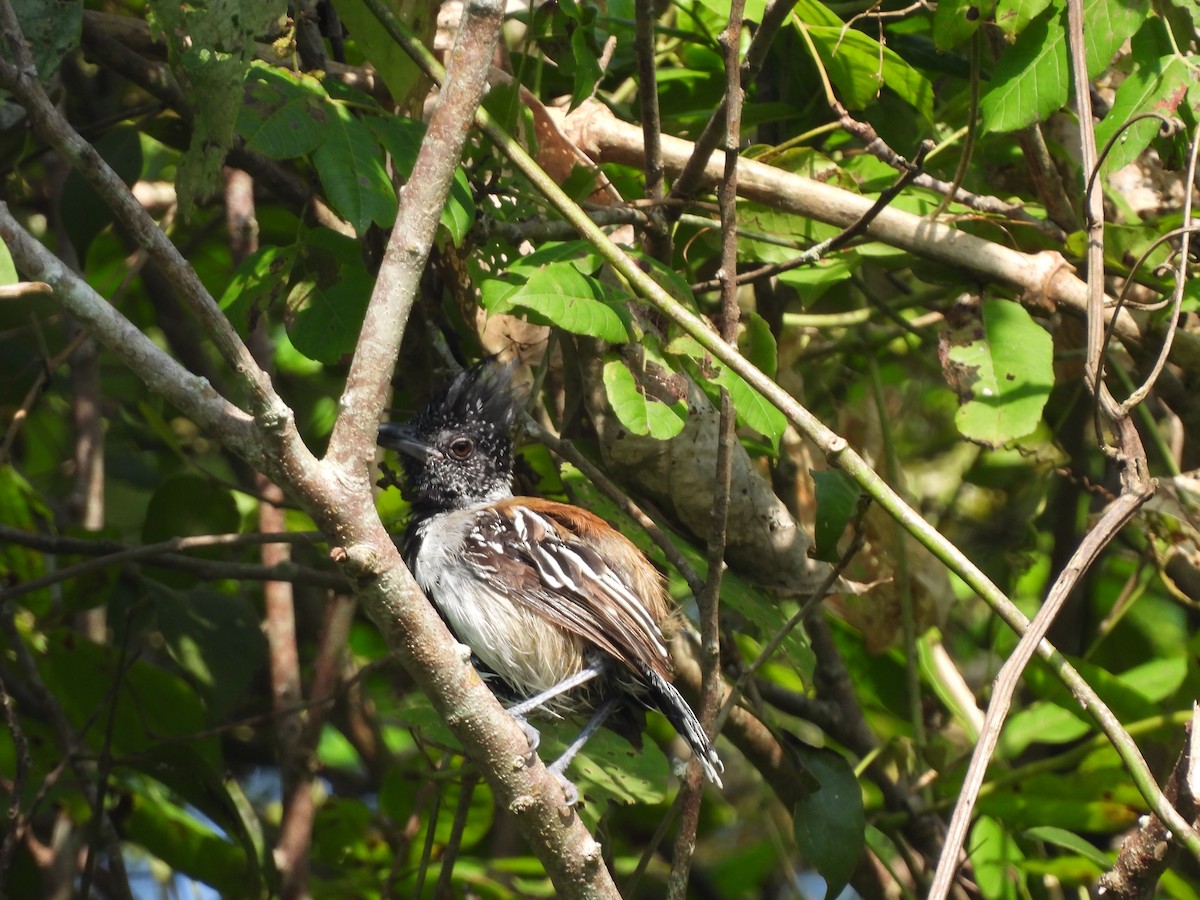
(457,451)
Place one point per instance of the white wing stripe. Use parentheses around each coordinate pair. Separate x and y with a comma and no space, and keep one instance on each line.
(617,591)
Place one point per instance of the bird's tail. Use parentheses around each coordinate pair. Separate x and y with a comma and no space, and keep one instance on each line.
(670,702)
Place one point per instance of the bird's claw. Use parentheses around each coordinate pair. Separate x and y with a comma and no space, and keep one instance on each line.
(531,734)
(570,792)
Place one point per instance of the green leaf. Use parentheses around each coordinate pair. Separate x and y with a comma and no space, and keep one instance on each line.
(954,21)
(560,295)
(402,76)
(1000,362)
(90,215)
(189,504)
(1060,837)
(257,284)
(1156,679)
(830,824)
(859,66)
(350,167)
(613,769)
(198,780)
(1013,15)
(402,139)
(216,638)
(152,703)
(995,856)
(20,507)
(402,794)
(1033,77)
(587,64)
(284,114)
(753,409)
(814,12)
(1156,85)
(837,498)
(753,12)
(757,343)
(1099,800)
(641,414)
(324,322)
(1040,722)
(581,255)
(154,821)
(8,268)
(52,29)
(459,214)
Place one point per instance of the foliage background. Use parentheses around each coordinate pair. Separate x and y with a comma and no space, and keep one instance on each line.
(215,712)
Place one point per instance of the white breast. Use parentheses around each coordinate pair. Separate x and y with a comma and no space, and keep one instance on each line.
(518,645)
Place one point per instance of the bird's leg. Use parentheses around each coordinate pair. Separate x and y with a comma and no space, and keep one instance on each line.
(559,766)
(520,710)
(583,676)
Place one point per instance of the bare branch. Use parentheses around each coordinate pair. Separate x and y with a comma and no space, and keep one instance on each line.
(20,77)
(1041,275)
(709,599)
(191,395)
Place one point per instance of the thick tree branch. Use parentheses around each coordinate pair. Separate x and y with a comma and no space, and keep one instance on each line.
(190,394)
(367,554)
(1147,853)
(1041,275)
(20,77)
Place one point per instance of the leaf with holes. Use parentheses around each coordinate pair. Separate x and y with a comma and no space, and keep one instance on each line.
(1000,363)
(638,412)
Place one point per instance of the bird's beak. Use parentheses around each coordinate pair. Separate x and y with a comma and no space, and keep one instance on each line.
(401,438)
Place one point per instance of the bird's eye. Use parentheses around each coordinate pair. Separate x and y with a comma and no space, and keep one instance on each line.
(461,448)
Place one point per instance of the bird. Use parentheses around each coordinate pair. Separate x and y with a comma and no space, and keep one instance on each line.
(551,599)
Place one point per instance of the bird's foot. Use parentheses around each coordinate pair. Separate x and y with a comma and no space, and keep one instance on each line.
(531,734)
(570,792)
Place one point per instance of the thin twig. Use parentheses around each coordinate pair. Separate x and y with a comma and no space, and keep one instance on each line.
(13,819)
(692,175)
(819,250)
(708,601)
(443,890)
(24,289)
(658,234)
(1136,488)
(165,554)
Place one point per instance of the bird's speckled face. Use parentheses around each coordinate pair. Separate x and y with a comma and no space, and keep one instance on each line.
(457,451)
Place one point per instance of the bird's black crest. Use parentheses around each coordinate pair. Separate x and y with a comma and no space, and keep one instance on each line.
(457,450)
(481,397)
